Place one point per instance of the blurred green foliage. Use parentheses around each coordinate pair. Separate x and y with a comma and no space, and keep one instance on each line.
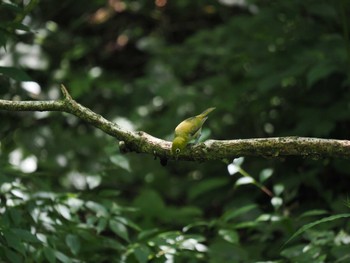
(271,68)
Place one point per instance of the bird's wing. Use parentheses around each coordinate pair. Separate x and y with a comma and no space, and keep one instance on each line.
(188,127)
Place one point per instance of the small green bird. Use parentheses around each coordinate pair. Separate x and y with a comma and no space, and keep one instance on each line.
(188,130)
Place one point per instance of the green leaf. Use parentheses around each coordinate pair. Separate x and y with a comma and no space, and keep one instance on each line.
(222,251)
(195,224)
(316,212)
(276,202)
(119,229)
(25,235)
(121,161)
(342,238)
(320,237)
(341,251)
(232,169)
(142,253)
(99,209)
(150,203)
(183,214)
(21,26)
(310,225)
(109,193)
(229,235)
(237,212)
(63,211)
(13,256)
(302,253)
(3,39)
(244,180)
(319,72)
(11,7)
(73,243)
(62,257)
(101,225)
(113,244)
(238,161)
(265,174)
(16,216)
(146,234)
(93,181)
(207,186)
(128,223)
(15,73)
(278,189)
(246,224)
(13,241)
(49,254)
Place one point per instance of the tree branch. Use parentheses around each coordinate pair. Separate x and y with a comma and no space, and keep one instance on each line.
(226,150)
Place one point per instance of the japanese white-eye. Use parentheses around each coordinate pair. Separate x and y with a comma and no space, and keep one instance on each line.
(188,130)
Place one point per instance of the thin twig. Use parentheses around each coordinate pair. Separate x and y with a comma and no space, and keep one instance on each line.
(65,92)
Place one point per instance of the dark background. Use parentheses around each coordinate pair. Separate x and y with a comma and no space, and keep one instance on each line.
(271,68)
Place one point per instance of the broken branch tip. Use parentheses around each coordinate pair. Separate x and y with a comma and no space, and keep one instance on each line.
(65,92)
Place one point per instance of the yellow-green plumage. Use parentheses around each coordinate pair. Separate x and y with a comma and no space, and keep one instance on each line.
(188,130)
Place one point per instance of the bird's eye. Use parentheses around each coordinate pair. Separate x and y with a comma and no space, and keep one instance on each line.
(177,150)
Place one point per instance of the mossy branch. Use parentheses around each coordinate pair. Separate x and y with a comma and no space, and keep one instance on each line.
(142,142)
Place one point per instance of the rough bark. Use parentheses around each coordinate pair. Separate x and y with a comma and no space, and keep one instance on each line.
(142,142)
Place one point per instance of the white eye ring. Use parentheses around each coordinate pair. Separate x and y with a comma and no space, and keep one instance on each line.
(177,150)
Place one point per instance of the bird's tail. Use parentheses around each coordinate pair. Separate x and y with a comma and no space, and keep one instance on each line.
(206,112)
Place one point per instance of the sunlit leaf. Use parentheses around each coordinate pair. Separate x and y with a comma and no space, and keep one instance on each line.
(128,222)
(342,238)
(305,253)
(232,169)
(278,189)
(244,180)
(121,161)
(194,225)
(193,243)
(276,202)
(63,211)
(229,235)
(238,161)
(93,181)
(265,174)
(99,209)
